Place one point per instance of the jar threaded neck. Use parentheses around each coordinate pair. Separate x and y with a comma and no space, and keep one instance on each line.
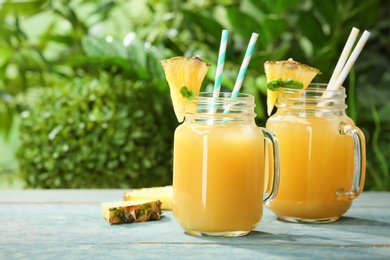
(314,98)
(206,108)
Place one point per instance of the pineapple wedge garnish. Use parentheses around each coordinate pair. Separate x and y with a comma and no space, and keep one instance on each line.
(164,194)
(184,74)
(131,211)
(284,70)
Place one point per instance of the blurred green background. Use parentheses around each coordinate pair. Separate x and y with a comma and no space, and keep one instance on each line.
(84,102)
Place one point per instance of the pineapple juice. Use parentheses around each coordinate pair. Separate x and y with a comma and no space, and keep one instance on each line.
(219,177)
(316,163)
(322,155)
(218,167)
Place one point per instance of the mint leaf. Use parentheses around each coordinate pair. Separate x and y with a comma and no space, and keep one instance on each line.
(274,84)
(186,93)
(288,83)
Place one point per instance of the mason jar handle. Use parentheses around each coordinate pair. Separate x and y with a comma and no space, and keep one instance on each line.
(274,165)
(359,163)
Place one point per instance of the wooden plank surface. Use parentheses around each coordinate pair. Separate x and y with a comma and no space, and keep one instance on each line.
(66,224)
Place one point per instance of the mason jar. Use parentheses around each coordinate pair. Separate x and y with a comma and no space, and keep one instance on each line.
(322,155)
(219,167)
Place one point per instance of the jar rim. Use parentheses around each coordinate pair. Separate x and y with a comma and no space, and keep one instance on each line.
(224,108)
(315,97)
(314,87)
(208,96)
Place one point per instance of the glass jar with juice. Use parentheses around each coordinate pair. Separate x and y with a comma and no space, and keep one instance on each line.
(219,167)
(322,155)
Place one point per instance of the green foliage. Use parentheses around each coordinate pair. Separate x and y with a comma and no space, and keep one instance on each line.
(96,133)
(71,39)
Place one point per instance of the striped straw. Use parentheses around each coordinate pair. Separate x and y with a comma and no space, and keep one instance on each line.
(244,65)
(221,62)
(351,60)
(343,57)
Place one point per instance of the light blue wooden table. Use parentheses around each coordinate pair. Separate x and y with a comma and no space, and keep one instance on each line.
(67,224)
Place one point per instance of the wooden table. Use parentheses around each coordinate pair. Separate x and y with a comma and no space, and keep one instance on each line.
(67,224)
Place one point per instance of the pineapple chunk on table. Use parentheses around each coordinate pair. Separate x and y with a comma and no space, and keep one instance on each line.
(131,211)
(164,194)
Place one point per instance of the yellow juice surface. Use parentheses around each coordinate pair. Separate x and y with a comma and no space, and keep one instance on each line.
(218,177)
(316,164)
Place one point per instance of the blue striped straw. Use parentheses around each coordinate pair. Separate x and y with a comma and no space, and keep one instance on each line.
(221,62)
(244,65)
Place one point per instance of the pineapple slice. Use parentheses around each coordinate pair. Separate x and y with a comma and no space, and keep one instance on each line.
(284,70)
(184,72)
(164,194)
(131,211)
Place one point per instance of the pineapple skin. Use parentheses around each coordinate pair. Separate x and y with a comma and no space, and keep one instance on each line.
(133,213)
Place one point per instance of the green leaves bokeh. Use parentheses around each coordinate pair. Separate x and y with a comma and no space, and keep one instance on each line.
(97,133)
(45,43)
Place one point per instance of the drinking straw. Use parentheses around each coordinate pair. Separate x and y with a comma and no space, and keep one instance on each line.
(351,60)
(221,62)
(344,56)
(244,65)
